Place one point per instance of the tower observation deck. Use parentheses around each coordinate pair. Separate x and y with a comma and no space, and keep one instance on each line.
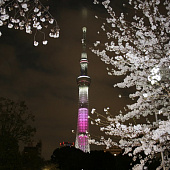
(83,82)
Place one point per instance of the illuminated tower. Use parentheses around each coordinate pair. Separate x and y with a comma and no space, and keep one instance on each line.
(83,82)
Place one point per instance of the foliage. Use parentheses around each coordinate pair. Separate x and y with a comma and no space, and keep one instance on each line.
(9,153)
(72,158)
(138,48)
(28,15)
(68,158)
(15,127)
(15,120)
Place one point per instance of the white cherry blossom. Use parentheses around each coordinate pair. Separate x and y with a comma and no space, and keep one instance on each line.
(36,43)
(45,42)
(138,50)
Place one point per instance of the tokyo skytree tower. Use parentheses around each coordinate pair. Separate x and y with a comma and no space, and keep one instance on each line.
(83,82)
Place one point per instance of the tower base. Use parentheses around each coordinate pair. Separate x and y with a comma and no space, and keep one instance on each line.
(82,143)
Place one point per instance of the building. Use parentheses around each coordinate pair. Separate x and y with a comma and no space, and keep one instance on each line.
(30,149)
(31,157)
(83,82)
(114,150)
(66,144)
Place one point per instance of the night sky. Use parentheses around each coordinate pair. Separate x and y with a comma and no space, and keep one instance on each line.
(45,76)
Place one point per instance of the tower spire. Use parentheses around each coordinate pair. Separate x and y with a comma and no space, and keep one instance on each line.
(84,61)
(83,82)
(84,39)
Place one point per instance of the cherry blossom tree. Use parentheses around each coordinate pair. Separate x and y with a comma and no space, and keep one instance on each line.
(28,15)
(138,49)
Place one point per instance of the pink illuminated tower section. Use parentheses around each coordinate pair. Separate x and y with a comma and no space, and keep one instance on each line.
(83,82)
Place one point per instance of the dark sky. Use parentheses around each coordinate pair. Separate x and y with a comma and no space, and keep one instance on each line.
(45,76)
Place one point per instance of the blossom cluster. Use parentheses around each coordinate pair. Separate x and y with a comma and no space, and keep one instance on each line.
(28,15)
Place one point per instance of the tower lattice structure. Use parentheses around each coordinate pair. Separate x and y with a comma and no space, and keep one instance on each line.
(83,82)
